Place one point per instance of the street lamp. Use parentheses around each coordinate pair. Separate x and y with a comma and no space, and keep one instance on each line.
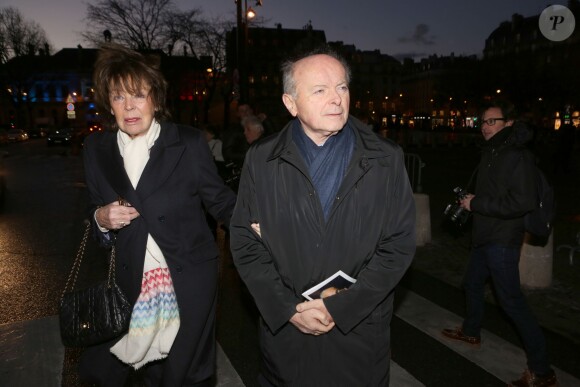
(250,14)
(242,43)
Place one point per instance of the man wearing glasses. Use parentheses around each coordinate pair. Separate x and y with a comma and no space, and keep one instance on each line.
(504,193)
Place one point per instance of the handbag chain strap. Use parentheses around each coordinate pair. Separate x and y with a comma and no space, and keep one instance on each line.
(72,277)
(111,280)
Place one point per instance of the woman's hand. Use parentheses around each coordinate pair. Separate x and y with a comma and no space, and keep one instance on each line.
(115,215)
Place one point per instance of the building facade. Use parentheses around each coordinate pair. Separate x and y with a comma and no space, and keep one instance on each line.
(538,74)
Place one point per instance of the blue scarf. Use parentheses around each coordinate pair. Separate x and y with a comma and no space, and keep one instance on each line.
(326,164)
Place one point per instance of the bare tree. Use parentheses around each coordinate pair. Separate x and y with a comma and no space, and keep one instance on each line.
(154,24)
(212,42)
(201,36)
(20,40)
(138,24)
(19,36)
(184,28)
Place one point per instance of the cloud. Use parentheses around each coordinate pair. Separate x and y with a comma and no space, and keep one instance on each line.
(410,55)
(420,36)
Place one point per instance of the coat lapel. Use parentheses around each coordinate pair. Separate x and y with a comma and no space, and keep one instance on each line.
(112,165)
(163,158)
(162,161)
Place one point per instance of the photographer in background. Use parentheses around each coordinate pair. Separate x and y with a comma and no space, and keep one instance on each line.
(504,193)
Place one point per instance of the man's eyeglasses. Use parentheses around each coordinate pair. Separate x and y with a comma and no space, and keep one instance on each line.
(491,121)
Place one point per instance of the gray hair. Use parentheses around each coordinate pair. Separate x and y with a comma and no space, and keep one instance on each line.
(253,123)
(288,81)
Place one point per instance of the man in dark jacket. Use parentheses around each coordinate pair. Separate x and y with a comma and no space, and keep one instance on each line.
(324,195)
(235,145)
(505,191)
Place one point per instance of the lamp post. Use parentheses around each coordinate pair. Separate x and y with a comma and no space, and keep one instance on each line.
(244,14)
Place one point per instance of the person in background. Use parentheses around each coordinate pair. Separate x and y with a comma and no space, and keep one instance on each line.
(504,193)
(253,129)
(214,143)
(234,147)
(215,147)
(324,194)
(266,123)
(149,181)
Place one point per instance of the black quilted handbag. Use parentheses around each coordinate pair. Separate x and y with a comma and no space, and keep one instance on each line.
(96,314)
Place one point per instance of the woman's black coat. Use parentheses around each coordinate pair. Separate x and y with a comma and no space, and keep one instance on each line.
(369,235)
(179,180)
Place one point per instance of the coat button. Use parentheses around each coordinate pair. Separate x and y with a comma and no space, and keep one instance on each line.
(179,269)
(161,218)
(125,266)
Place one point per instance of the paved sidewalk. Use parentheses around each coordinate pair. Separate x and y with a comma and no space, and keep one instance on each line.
(31,354)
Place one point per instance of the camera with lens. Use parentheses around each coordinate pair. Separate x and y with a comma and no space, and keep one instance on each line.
(454,213)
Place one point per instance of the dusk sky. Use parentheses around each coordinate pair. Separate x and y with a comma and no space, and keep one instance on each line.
(411,28)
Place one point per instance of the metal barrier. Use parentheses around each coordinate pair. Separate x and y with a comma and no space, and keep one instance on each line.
(573,249)
(414,166)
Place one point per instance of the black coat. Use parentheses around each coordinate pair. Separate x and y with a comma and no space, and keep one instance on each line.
(178,180)
(369,235)
(505,190)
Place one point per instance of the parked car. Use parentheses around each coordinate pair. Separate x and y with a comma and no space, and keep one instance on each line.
(17,135)
(37,132)
(61,136)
